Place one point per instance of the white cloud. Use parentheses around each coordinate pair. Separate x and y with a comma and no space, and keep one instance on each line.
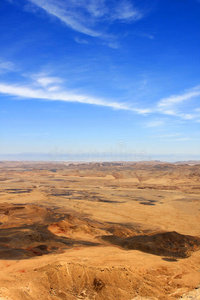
(173,105)
(155,123)
(174,137)
(81,41)
(84,16)
(64,14)
(51,88)
(52,94)
(149,36)
(166,103)
(126,12)
(6,66)
(45,81)
(181,139)
(188,116)
(111,43)
(97,8)
(175,113)
(168,135)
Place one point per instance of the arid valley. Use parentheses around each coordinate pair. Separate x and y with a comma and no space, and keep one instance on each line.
(99,231)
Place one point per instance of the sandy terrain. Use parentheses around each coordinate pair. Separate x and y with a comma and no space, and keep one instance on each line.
(99,231)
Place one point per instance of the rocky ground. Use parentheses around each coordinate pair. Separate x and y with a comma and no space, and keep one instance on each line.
(99,231)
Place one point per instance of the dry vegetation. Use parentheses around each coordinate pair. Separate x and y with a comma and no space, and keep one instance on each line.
(99,231)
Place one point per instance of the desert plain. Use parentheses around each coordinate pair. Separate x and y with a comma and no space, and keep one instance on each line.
(99,230)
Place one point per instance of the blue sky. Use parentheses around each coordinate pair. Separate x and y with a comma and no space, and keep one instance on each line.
(100,76)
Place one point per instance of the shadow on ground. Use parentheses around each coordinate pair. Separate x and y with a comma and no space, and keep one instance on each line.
(169,244)
(24,232)
(32,230)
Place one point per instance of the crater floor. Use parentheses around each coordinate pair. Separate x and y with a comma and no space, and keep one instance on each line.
(99,230)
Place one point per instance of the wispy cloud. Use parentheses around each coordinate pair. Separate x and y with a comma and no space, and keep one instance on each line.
(48,88)
(81,41)
(146,35)
(183,139)
(155,123)
(168,135)
(85,16)
(178,139)
(173,105)
(66,14)
(50,83)
(52,88)
(177,99)
(126,12)
(6,66)
(173,137)
(181,115)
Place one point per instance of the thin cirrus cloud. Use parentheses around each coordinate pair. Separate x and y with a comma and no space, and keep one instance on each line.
(48,88)
(6,66)
(155,123)
(173,135)
(85,16)
(48,82)
(176,99)
(81,41)
(58,10)
(177,139)
(172,105)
